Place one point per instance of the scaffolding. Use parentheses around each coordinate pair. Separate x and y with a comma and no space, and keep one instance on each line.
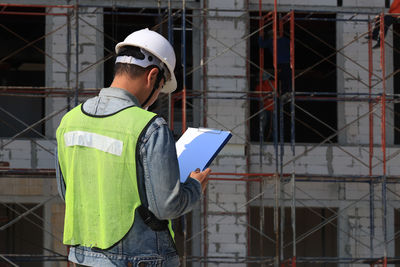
(276,180)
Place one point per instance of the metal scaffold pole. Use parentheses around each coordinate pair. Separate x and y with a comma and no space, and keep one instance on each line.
(277,163)
(371,140)
(293,138)
(171,40)
(260,79)
(261,127)
(183,49)
(76,100)
(383,133)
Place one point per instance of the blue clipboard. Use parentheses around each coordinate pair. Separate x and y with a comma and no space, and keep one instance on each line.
(198,147)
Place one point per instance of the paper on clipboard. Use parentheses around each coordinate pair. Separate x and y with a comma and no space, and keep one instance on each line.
(198,147)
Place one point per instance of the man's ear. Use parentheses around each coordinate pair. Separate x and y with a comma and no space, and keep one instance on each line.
(152,77)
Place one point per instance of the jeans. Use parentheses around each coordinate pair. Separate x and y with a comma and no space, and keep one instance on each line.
(266,123)
(387,21)
(141,247)
(285,77)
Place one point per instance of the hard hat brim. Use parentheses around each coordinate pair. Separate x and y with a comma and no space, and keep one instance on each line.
(170,85)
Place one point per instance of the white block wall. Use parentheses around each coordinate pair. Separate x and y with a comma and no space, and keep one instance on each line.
(90,49)
(28,154)
(353,78)
(226,71)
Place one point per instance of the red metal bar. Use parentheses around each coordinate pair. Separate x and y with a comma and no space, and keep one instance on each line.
(68,262)
(245,174)
(32,13)
(382,40)
(260,74)
(286,18)
(269,16)
(289,262)
(44,6)
(235,179)
(281,28)
(173,99)
(282,22)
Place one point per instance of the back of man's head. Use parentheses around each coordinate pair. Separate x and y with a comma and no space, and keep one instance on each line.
(132,70)
(154,49)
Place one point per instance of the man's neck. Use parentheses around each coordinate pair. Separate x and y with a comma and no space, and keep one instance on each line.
(130,85)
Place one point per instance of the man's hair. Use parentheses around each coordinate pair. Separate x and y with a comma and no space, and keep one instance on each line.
(132,70)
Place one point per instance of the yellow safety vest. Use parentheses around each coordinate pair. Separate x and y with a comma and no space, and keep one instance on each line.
(97,156)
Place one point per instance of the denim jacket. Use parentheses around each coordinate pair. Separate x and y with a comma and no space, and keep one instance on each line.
(158,180)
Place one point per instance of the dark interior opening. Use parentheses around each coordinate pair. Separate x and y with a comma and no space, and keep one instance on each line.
(319,243)
(315,39)
(22,237)
(21,66)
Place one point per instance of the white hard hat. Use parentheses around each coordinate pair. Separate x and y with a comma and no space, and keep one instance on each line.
(158,46)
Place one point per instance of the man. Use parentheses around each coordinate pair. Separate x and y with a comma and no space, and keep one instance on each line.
(265,93)
(118,171)
(283,59)
(388,20)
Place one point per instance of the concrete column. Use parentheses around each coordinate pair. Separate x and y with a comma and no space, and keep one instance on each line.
(226,71)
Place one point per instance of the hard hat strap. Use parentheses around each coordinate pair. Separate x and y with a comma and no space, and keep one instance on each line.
(160,75)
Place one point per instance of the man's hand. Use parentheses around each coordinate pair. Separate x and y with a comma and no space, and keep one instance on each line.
(202,177)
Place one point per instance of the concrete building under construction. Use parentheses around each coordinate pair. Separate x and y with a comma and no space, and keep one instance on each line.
(317,185)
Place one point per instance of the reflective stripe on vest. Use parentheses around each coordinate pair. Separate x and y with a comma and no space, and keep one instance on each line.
(97,157)
(93,140)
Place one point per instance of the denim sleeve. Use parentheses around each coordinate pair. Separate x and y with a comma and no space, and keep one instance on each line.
(167,197)
(59,177)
